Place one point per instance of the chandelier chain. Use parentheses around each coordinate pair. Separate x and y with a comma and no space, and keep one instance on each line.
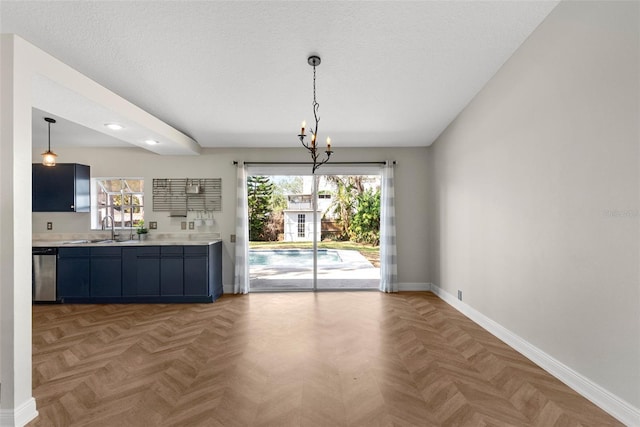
(314,85)
(315,104)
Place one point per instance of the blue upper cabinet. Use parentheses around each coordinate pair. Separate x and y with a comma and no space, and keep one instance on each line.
(64,187)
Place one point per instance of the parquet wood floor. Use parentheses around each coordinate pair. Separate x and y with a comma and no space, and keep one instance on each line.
(289,359)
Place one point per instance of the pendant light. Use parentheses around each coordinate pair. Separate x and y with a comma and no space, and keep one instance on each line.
(49,157)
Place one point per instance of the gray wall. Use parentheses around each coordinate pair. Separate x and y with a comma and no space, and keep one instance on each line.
(213,163)
(534,195)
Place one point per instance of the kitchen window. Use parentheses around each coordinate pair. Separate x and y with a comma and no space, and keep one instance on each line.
(118,199)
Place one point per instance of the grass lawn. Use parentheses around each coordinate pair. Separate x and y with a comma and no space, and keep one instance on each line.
(371,253)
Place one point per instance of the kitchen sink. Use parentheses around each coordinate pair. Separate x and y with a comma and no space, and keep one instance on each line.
(115,241)
(100,241)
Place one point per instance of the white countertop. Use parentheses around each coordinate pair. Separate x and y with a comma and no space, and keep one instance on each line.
(103,240)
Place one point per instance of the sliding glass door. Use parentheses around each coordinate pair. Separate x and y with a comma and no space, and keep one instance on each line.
(280,232)
(311,232)
(348,249)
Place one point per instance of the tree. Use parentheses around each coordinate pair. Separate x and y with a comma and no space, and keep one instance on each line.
(356,207)
(365,224)
(343,205)
(285,185)
(129,200)
(274,227)
(259,191)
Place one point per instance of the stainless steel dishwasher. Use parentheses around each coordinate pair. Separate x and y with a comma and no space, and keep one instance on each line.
(44,274)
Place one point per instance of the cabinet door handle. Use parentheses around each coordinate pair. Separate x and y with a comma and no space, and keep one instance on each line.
(71,206)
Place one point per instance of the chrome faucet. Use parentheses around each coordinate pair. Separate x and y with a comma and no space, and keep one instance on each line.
(113,231)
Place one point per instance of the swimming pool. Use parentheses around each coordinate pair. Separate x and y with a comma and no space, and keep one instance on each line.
(296,257)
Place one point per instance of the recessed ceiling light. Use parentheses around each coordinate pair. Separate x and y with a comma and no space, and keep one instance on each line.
(114,126)
(151,141)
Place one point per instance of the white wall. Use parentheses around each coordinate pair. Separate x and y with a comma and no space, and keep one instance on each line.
(16,402)
(291,226)
(218,163)
(535,195)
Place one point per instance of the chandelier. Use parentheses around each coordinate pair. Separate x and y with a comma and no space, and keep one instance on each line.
(314,61)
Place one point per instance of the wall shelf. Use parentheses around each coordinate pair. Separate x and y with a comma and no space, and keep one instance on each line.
(181,195)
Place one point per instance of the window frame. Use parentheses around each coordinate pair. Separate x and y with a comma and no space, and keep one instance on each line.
(101,211)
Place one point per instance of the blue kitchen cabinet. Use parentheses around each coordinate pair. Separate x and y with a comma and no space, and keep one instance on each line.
(73,276)
(141,271)
(171,271)
(215,270)
(64,187)
(196,270)
(144,274)
(106,272)
(148,276)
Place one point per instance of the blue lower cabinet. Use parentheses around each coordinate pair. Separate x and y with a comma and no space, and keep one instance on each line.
(171,276)
(215,270)
(196,270)
(141,271)
(171,271)
(148,276)
(73,276)
(142,274)
(106,272)
(196,276)
(129,271)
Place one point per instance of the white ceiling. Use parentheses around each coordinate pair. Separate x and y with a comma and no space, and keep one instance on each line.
(235,74)
(65,133)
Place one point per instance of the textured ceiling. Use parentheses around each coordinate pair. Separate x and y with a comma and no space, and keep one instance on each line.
(234,74)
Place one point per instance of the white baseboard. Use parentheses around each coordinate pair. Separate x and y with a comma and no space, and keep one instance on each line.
(421,287)
(402,287)
(615,406)
(20,416)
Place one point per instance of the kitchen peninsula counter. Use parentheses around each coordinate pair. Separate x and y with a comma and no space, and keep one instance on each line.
(163,269)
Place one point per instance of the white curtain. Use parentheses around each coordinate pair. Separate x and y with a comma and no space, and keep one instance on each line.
(388,263)
(241,279)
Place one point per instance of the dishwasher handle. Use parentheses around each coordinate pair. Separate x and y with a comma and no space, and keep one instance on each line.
(44,251)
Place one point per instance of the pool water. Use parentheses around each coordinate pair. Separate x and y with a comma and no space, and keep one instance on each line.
(296,257)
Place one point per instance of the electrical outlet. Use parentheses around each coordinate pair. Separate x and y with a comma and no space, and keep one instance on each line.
(183,225)
(192,226)
(460,295)
(153,225)
(49,226)
(233,238)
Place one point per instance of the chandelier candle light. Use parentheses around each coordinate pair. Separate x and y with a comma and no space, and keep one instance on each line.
(314,61)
